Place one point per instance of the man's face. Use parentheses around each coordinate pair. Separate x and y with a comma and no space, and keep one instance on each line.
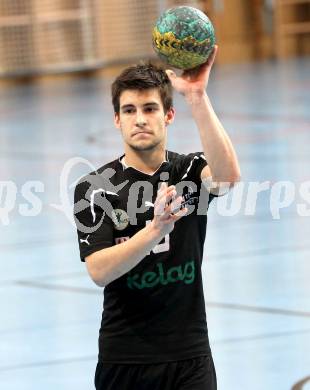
(142,119)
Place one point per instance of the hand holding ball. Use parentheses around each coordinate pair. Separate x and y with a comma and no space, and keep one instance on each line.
(183,37)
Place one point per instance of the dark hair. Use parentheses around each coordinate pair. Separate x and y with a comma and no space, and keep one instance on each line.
(140,77)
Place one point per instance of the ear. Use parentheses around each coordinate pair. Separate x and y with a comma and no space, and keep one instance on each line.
(169,116)
(117,121)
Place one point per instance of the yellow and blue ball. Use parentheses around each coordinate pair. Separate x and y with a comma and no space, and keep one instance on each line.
(183,37)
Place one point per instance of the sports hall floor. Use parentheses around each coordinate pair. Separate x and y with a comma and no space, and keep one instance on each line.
(256,267)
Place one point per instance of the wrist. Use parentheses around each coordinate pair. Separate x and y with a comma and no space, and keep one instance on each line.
(194,98)
(154,232)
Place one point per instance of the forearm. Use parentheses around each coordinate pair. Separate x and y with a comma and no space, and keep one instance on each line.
(106,265)
(216,143)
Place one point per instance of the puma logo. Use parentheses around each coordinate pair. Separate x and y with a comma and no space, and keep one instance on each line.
(85,241)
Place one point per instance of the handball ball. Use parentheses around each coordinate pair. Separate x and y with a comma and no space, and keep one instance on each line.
(183,37)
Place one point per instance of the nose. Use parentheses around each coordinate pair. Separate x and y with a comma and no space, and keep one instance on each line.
(140,119)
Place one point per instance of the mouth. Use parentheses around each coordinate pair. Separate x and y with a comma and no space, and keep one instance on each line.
(139,133)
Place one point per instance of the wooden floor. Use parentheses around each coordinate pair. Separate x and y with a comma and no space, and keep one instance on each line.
(257,257)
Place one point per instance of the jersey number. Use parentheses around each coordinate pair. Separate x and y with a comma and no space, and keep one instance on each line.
(159,248)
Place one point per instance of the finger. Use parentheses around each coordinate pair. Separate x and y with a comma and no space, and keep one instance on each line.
(177,206)
(174,205)
(206,65)
(195,73)
(161,202)
(171,74)
(212,56)
(164,193)
(163,210)
(167,198)
(175,217)
(162,186)
(179,214)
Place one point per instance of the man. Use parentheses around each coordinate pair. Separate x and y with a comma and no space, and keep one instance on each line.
(141,223)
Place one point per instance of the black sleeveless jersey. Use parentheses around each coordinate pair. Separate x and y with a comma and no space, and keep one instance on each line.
(156,311)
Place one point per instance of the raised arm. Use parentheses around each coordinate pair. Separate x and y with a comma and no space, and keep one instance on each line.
(222,160)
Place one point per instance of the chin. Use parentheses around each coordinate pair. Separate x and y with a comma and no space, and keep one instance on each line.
(144,147)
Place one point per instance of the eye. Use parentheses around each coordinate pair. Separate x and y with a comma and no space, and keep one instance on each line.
(128,111)
(150,109)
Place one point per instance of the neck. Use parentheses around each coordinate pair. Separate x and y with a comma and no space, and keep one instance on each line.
(147,161)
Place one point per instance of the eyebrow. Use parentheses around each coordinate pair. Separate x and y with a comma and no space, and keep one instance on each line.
(150,104)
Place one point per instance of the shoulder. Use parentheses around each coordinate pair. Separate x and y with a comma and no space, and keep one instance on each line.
(178,158)
(188,166)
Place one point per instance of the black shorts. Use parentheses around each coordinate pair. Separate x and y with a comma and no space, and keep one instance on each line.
(192,374)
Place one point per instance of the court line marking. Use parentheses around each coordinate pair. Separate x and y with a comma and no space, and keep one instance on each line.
(259,309)
(58,287)
(38,242)
(261,336)
(70,275)
(257,252)
(47,363)
(232,306)
(298,386)
(43,327)
(54,277)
